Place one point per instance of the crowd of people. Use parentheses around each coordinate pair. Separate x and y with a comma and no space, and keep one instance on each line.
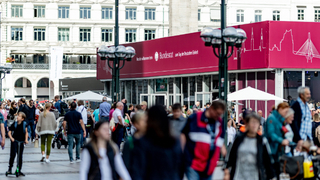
(134,142)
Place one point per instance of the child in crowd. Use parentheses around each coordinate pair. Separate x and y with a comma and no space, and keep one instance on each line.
(18,135)
(253,162)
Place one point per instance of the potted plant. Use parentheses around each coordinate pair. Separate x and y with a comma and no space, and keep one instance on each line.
(9,60)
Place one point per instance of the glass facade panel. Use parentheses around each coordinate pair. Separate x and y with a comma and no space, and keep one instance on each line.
(199,83)
(292,80)
(192,90)
(178,85)
(161,85)
(312,80)
(185,86)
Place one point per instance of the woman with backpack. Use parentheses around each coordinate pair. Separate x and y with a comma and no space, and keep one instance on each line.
(46,128)
(316,129)
(101,158)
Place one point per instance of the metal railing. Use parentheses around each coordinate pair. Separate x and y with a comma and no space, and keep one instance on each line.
(64,66)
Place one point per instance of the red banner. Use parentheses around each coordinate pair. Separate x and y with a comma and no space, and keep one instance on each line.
(270,44)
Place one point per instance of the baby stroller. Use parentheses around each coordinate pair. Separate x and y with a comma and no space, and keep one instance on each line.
(59,138)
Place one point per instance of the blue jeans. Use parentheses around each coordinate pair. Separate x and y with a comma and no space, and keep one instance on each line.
(194,175)
(104,119)
(70,144)
(83,139)
(120,136)
(30,124)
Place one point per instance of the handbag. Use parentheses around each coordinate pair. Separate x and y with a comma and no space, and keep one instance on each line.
(292,166)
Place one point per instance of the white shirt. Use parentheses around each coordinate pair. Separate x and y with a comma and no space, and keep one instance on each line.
(38,112)
(105,169)
(83,111)
(115,115)
(231,134)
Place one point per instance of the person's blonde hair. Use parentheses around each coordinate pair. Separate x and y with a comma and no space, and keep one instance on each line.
(48,105)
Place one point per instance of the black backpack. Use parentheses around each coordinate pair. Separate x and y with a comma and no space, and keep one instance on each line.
(64,108)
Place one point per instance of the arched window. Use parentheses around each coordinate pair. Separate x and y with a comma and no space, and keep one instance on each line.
(43,83)
(20,83)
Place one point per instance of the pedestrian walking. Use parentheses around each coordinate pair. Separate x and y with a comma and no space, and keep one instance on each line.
(144,105)
(73,120)
(203,136)
(263,120)
(157,155)
(84,114)
(31,119)
(2,132)
(104,110)
(24,108)
(316,130)
(231,131)
(117,135)
(137,108)
(18,138)
(302,123)
(274,133)
(46,128)
(130,110)
(287,131)
(177,120)
(113,108)
(96,115)
(249,157)
(4,114)
(139,122)
(57,103)
(125,107)
(101,158)
(90,123)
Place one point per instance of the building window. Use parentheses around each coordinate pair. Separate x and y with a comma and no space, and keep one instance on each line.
(240,15)
(131,13)
(301,14)
(149,34)
(131,35)
(276,15)
(85,34)
(106,13)
(39,11)
(39,34)
(257,15)
(43,83)
(215,15)
(16,33)
(85,12)
(106,35)
(317,15)
(63,12)
(16,11)
(63,34)
(199,14)
(150,14)
(39,59)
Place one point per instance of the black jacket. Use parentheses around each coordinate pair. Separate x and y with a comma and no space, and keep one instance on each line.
(94,170)
(296,123)
(25,109)
(153,162)
(264,159)
(32,113)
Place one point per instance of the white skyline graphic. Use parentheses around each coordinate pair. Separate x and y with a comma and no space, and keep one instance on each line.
(308,49)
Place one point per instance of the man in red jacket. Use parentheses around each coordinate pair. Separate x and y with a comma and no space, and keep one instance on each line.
(203,137)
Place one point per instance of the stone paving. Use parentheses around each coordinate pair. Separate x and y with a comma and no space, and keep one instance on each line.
(58,169)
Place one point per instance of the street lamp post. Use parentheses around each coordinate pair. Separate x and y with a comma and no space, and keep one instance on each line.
(223,42)
(116,54)
(4,69)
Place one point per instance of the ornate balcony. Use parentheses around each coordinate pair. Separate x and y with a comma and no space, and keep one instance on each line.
(64,66)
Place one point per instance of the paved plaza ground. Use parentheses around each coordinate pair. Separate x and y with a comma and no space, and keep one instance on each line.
(59,168)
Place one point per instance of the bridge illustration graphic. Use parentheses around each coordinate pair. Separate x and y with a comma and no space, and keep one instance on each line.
(308,49)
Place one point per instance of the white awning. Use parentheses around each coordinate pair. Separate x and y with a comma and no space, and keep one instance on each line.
(250,93)
(26,51)
(88,96)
